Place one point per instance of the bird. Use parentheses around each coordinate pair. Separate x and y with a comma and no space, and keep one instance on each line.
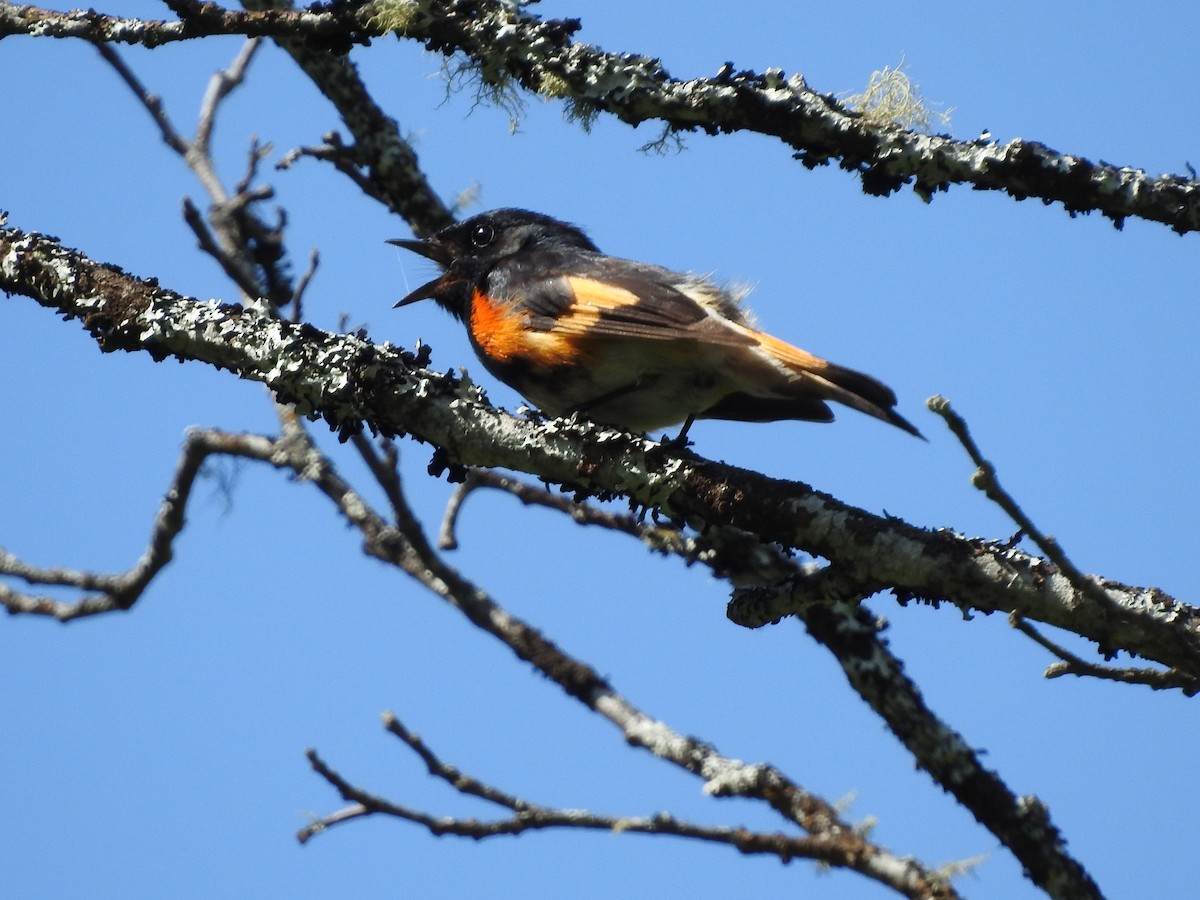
(623,343)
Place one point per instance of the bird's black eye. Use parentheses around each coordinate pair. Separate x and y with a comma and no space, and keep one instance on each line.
(482,235)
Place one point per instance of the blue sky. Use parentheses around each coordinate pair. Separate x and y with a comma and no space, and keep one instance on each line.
(161,752)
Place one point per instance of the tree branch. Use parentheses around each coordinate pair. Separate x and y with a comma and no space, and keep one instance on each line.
(504,44)
(852,634)
(115,592)
(405,546)
(346,23)
(381,162)
(1022,824)
(442,409)
(1070,664)
(349,381)
(526,816)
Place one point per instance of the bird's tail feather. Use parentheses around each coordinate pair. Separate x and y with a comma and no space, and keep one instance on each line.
(833,382)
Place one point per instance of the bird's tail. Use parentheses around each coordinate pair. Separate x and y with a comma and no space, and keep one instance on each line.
(813,377)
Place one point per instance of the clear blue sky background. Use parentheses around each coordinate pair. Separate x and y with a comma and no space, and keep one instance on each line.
(160,753)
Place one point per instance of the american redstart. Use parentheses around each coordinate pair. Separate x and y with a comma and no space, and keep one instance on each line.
(624,343)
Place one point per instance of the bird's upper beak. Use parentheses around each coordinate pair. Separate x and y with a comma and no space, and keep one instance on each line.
(440,287)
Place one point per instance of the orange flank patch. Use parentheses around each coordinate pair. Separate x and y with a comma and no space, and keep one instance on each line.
(503,335)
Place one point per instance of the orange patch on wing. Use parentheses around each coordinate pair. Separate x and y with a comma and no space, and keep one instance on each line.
(502,333)
(590,299)
(592,295)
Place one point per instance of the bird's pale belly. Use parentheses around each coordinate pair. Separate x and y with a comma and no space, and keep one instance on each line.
(626,392)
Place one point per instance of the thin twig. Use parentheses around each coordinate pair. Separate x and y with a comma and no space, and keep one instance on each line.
(529,816)
(1070,664)
(152,102)
(453,776)
(382,162)
(986,480)
(732,554)
(314,260)
(385,470)
(532,495)
(249,250)
(347,161)
(233,266)
(220,86)
(114,592)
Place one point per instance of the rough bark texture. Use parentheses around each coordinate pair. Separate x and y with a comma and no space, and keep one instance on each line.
(347,380)
(505,46)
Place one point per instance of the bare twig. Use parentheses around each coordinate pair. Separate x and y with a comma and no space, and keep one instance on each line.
(220,86)
(386,472)
(1070,664)
(152,102)
(737,556)
(249,250)
(231,264)
(350,163)
(528,816)
(986,480)
(663,538)
(114,592)
(314,260)
(381,161)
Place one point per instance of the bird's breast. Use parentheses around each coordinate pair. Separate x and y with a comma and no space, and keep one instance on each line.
(502,335)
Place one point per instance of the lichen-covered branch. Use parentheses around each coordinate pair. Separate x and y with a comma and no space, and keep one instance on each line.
(1021,823)
(344,24)
(838,621)
(506,45)
(348,381)
(404,545)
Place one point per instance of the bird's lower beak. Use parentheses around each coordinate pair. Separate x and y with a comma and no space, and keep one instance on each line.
(440,287)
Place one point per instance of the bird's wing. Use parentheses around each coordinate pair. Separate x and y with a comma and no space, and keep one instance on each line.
(629,300)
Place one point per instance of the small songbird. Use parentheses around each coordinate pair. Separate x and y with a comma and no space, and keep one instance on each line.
(620,342)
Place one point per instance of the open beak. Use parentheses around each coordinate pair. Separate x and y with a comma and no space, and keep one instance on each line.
(441,287)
